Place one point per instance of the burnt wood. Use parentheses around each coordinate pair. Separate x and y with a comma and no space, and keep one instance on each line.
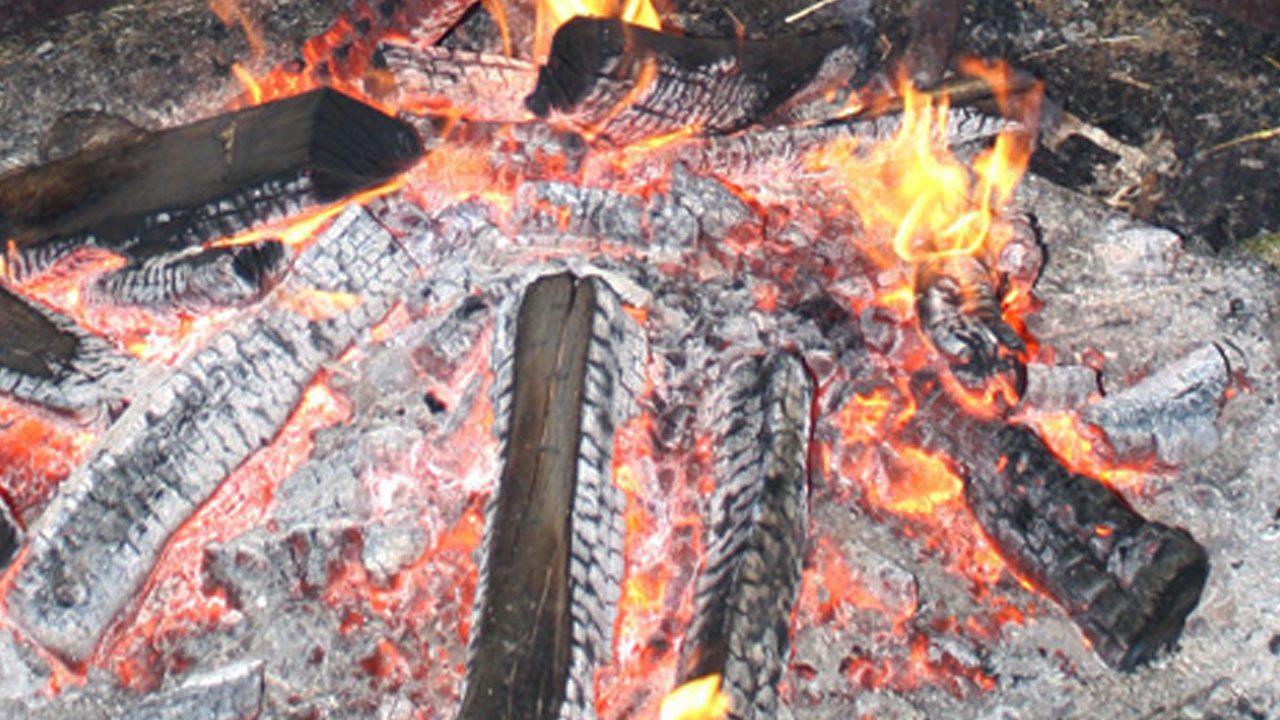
(756,537)
(178,188)
(477,85)
(225,276)
(1127,582)
(47,359)
(958,308)
(11,535)
(625,83)
(521,650)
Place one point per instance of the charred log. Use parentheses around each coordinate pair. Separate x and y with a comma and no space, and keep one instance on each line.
(178,188)
(484,87)
(94,546)
(933,29)
(960,313)
(552,570)
(626,83)
(756,538)
(49,360)
(1127,582)
(10,535)
(203,280)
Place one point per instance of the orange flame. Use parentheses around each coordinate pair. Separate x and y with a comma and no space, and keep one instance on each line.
(912,191)
(699,699)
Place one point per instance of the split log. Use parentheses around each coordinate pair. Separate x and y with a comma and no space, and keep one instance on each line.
(1127,582)
(49,360)
(484,87)
(1169,414)
(757,534)
(95,545)
(552,567)
(182,187)
(196,281)
(626,83)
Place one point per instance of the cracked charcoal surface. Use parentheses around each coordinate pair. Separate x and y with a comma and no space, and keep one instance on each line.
(757,535)
(94,546)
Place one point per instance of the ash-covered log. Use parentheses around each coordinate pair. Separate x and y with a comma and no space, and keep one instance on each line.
(219,277)
(178,188)
(1127,582)
(49,360)
(626,83)
(756,538)
(1170,414)
(93,548)
(477,85)
(551,572)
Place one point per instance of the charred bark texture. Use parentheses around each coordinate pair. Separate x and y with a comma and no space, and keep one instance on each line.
(47,359)
(959,311)
(552,570)
(480,86)
(178,188)
(1127,582)
(626,83)
(96,543)
(194,282)
(11,535)
(756,537)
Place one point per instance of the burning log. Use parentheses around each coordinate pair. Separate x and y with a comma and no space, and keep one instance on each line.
(552,570)
(1127,582)
(194,281)
(959,312)
(49,360)
(480,86)
(626,83)
(94,546)
(181,187)
(1169,414)
(757,536)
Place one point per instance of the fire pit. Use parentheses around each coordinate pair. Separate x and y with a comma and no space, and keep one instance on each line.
(507,362)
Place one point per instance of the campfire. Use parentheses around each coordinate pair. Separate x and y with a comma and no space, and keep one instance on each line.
(545,361)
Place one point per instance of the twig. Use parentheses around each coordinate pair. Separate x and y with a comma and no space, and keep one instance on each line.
(1113,40)
(806,12)
(1256,136)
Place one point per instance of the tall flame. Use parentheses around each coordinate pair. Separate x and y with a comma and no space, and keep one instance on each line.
(914,192)
(698,699)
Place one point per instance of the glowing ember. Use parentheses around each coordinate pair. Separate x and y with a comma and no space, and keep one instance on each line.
(699,699)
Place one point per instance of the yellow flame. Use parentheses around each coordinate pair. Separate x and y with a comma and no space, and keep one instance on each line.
(699,699)
(551,14)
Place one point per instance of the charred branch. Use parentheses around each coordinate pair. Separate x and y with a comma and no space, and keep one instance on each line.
(626,83)
(757,533)
(178,188)
(94,546)
(960,313)
(552,570)
(479,86)
(193,282)
(49,360)
(1127,582)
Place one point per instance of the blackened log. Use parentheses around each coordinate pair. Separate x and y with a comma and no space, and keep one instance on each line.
(626,83)
(756,537)
(95,545)
(552,567)
(1170,414)
(959,311)
(477,85)
(49,360)
(11,535)
(181,187)
(219,277)
(1127,582)
(928,53)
